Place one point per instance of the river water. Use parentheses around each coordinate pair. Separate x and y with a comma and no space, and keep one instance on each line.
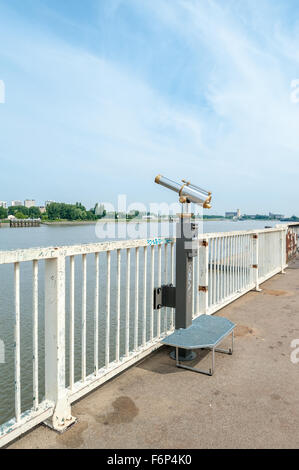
(58,235)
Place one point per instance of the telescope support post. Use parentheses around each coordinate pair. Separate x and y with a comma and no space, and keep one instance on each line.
(186,250)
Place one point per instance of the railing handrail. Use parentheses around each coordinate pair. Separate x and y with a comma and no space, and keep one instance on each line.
(51,252)
(30,254)
(241,232)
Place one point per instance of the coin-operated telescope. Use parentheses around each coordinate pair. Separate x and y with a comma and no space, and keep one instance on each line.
(187,192)
(180,297)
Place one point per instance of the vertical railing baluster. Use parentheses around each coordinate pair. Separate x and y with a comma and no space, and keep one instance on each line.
(17,343)
(117,339)
(240,262)
(108,306)
(250,260)
(197,277)
(203,275)
(237,263)
(231,266)
(144,294)
(136,298)
(159,285)
(244,260)
(96,314)
(152,290)
(214,271)
(55,386)
(166,282)
(225,268)
(35,335)
(228,265)
(215,267)
(72,321)
(83,324)
(172,280)
(255,266)
(222,269)
(218,269)
(128,301)
(193,287)
(210,272)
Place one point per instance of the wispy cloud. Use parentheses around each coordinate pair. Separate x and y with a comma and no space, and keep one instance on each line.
(193,88)
(254,125)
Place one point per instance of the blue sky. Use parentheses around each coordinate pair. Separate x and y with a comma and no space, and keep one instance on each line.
(102,95)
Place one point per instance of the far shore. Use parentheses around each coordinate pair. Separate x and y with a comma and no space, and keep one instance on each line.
(123,221)
(5,223)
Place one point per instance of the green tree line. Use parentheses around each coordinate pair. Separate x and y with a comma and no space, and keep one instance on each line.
(20,212)
(54,211)
(62,211)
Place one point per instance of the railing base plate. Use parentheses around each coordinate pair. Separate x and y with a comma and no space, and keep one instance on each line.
(62,427)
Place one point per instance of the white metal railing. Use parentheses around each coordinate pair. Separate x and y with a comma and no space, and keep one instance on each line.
(95,302)
(231,264)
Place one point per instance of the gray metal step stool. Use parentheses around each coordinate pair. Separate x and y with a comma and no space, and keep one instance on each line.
(206,332)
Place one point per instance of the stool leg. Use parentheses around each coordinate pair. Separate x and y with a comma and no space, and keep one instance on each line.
(177,357)
(227,351)
(213,362)
(209,372)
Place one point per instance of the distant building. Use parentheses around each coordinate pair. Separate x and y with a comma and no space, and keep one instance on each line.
(29,203)
(16,203)
(42,209)
(276,216)
(3,204)
(99,209)
(233,215)
(47,203)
